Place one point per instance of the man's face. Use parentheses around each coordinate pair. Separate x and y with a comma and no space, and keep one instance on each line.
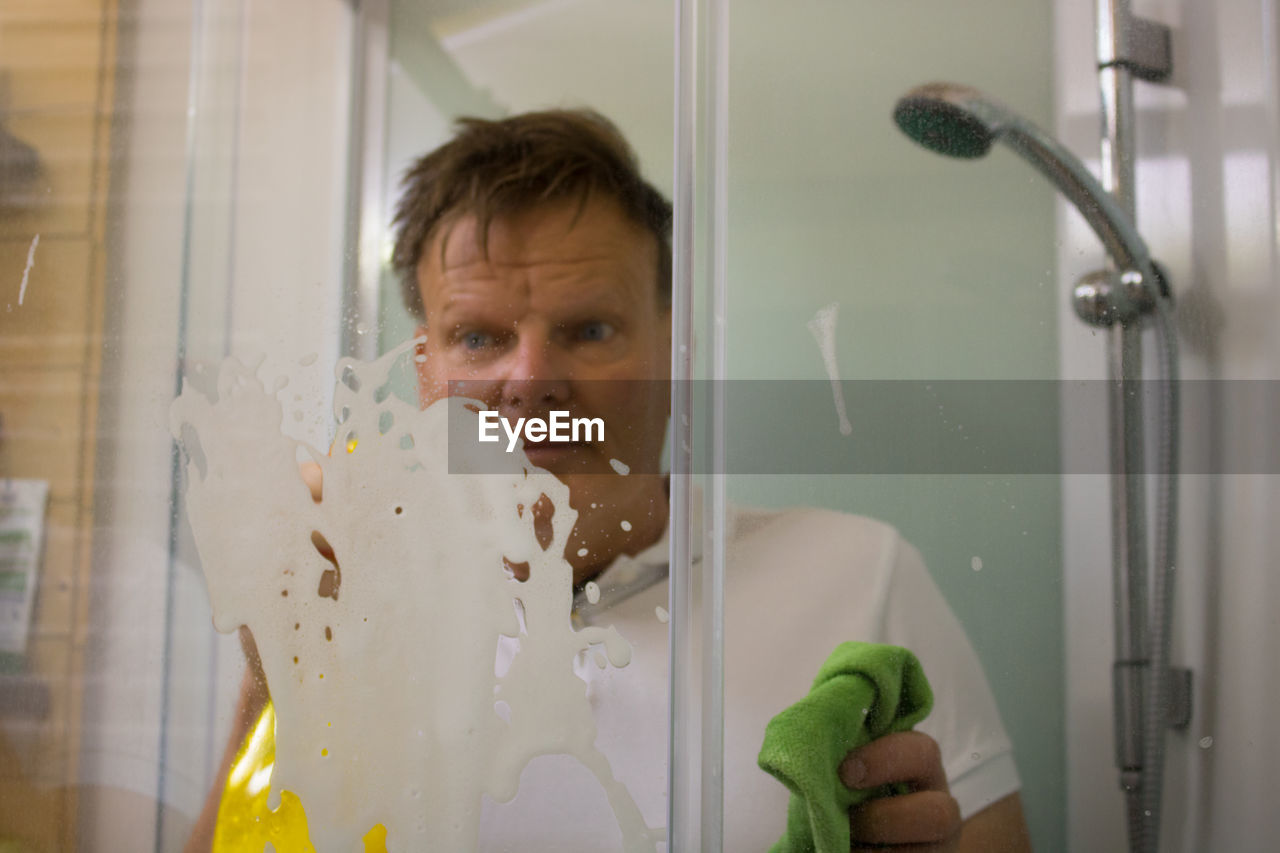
(563,314)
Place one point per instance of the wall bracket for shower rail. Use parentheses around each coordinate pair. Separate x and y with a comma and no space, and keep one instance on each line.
(1140,45)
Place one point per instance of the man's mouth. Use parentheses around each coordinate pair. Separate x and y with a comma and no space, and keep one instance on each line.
(558,456)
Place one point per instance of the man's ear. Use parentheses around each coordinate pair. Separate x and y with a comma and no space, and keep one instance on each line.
(420,366)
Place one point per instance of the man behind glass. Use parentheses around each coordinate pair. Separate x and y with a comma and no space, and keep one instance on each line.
(538,262)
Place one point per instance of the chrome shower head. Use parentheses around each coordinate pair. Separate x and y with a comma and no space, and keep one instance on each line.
(959,121)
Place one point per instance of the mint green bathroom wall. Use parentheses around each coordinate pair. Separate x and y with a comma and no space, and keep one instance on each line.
(942,269)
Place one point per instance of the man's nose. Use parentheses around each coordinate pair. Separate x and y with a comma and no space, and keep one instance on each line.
(536,377)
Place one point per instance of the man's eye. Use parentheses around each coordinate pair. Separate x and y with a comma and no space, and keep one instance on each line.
(595,331)
(476,340)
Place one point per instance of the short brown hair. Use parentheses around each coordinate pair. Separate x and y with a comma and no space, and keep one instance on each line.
(495,168)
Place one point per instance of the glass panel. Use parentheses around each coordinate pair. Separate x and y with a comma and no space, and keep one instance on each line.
(893,422)
(871,286)
(898,331)
(388,696)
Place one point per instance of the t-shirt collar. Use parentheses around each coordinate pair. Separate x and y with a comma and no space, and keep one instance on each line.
(629,575)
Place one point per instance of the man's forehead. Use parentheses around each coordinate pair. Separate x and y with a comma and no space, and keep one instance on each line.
(568,231)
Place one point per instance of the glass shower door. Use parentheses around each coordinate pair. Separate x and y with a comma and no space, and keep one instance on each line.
(572,746)
(875,293)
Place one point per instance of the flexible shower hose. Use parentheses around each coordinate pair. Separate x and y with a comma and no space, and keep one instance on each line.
(1145,825)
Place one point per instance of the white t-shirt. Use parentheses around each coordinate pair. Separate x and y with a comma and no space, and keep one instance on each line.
(797,584)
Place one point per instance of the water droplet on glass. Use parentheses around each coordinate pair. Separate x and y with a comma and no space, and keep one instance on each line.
(1206,742)
(976,564)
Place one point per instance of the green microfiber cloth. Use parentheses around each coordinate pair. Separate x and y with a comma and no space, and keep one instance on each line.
(863,691)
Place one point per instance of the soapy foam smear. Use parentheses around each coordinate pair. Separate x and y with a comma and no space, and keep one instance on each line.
(411,673)
(823,328)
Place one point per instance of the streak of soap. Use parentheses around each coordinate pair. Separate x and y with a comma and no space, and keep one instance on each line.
(26,272)
(823,329)
(433,592)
